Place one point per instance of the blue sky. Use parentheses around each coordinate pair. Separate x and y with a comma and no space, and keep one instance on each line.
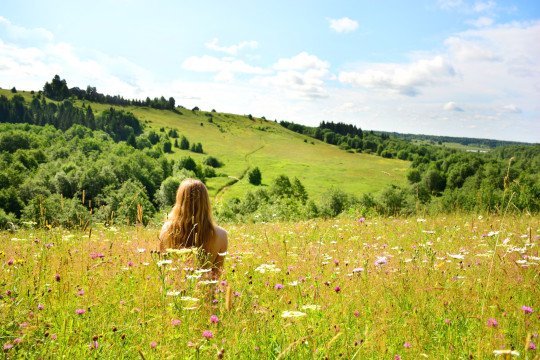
(447,67)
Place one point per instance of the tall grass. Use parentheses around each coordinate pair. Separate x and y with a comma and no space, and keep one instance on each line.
(380,288)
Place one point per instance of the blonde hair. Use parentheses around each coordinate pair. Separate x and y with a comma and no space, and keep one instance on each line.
(191,219)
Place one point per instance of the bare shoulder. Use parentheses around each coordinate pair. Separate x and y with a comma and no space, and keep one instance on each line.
(221,237)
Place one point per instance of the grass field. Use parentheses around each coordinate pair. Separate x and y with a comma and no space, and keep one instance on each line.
(455,287)
(241,144)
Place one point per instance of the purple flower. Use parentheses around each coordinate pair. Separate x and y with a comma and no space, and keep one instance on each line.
(81,292)
(176,322)
(361,220)
(40,307)
(214,319)
(447,321)
(407,345)
(397,357)
(336,262)
(53,336)
(153,345)
(48,245)
(356,313)
(492,322)
(23,325)
(207,334)
(94,345)
(80,311)
(10,262)
(278,286)
(532,346)
(358,269)
(7,347)
(16,341)
(236,293)
(57,277)
(527,309)
(337,289)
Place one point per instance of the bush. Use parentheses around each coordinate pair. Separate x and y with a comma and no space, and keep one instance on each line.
(213,162)
(255,177)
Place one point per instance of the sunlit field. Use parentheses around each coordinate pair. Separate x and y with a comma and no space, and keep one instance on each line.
(376,288)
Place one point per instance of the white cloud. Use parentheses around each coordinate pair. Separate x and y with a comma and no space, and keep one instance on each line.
(233,49)
(22,36)
(466,50)
(482,21)
(403,79)
(452,106)
(224,76)
(448,4)
(302,61)
(343,25)
(211,64)
(306,85)
(511,108)
(484,6)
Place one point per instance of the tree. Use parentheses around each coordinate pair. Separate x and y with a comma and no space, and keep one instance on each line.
(281,186)
(153,138)
(184,143)
(167,146)
(254,176)
(187,163)
(299,191)
(131,141)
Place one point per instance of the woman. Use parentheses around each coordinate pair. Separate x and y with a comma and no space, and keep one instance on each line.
(190,224)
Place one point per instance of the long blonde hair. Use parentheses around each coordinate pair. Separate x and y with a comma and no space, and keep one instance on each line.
(191,219)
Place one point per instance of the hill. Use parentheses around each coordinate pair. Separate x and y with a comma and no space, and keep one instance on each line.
(243,142)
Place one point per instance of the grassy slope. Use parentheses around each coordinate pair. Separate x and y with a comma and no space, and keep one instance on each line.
(241,144)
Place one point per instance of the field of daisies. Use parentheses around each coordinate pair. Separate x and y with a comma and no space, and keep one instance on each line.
(454,287)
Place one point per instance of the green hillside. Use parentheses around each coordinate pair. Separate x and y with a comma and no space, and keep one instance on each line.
(241,143)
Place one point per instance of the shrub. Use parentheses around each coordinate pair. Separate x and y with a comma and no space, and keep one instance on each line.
(255,177)
(212,161)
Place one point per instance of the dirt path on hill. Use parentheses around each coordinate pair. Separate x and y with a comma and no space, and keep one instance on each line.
(234,179)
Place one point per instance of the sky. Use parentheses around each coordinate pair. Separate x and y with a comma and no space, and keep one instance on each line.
(440,67)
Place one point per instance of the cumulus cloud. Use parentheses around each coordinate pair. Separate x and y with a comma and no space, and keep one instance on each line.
(305,85)
(484,6)
(208,63)
(404,79)
(469,50)
(233,49)
(302,61)
(452,106)
(343,25)
(22,36)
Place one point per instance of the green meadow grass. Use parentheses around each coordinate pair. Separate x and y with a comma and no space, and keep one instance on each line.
(454,287)
(242,144)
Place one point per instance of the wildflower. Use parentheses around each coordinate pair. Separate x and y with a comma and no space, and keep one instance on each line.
(358,269)
(214,319)
(236,293)
(94,345)
(16,341)
(492,322)
(7,347)
(505,352)
(80,311)
(130,263)
(407,345)
(356,313)
(153,345)
(448,321)
(176,322)
(10,262)
(336,262)
(337,289)
(532,346)
(23,325)
(288,314)
(190,344)
(81,292)
(40,307)
(53,336)
(381,261)
(122,302)
(361,220)
(57,277)
(397,357)
(207,334)
(141,250)
(527,309)
(278,286)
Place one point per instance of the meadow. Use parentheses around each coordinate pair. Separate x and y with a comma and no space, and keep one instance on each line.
(446,287)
